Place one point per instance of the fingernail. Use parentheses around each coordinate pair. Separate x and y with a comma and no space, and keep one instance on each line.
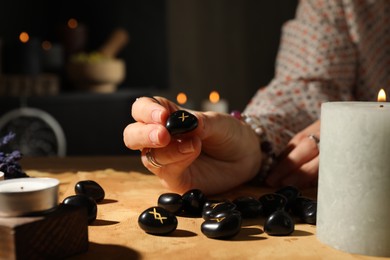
(156,115)
(153,136)
(186,146)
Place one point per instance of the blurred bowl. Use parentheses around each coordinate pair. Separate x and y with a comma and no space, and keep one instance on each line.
(102,76)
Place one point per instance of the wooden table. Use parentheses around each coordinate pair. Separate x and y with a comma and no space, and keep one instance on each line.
(130,189)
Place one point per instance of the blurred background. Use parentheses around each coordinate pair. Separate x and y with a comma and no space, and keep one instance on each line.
(70,70)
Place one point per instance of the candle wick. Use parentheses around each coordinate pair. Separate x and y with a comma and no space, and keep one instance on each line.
(381,106)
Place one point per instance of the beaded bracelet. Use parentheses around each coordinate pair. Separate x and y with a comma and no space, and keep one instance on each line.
(269,157)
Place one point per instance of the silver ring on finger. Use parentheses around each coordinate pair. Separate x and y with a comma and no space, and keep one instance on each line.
(150,157)
(315,139)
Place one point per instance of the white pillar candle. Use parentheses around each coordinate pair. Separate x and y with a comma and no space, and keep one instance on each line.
(215,103)
(24,196)
(353,212)
(1,175)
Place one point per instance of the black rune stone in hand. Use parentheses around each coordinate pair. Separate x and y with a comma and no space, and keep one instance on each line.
(181,122)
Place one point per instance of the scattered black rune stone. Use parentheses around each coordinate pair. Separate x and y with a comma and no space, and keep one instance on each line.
(157,221)
(272,202)
(172,202)
(193,202)
(225,225)
(306,209)
(181,122)
(279,223)
(91,189)
(211,210)
(291,193)
(249,206)
(81,200)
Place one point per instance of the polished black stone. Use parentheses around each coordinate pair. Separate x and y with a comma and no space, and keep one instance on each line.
(279,223)
(213,209)
(157,221)
(248,206)
(81,200)
(91,189)
(211,201)
(226,225)
(227,213)
(306,209)
(181,122)
(193,202)
(272,202)
(172,202)
(291,193)
(310,213)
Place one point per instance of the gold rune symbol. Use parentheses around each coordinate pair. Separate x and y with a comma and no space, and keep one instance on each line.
(157,215)
(183,117)
(218,219)
(214,205)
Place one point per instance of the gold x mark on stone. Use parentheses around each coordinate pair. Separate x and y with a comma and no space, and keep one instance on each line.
(183,117)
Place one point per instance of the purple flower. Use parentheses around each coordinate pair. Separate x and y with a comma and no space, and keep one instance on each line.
(9,161)
(7,138)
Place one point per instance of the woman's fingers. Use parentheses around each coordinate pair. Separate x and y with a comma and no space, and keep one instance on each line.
(303,152)
(139,135)
(305,176)
(149,110)
(168,162)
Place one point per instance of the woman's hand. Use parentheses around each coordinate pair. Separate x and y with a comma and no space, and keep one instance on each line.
(299,164)
(221,153)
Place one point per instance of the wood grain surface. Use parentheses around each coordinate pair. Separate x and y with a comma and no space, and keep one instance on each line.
(116,235)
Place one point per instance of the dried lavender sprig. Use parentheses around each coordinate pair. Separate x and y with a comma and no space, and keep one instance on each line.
(9,161)
(7,138)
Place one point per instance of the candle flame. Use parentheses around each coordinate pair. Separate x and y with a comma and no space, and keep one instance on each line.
(72,23)
(46,45)
(382,95)
(24,37)
(181,98)
(214,97)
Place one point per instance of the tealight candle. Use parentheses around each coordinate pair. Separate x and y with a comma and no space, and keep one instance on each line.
(354,177)
(215,103)
(183,101)
(25,196)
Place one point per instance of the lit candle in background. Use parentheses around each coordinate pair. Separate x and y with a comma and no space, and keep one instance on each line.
(183,101)
(1,175)
(24,57)
(215,103)
(354,177)
(52,58)
(73,37)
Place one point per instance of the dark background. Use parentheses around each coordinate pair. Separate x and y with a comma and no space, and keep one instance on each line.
(193,46)
(146,54)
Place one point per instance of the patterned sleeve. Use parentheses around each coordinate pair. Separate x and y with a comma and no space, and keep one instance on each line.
(316,62)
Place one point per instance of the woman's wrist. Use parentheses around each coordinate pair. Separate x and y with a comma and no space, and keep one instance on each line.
(268,155)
